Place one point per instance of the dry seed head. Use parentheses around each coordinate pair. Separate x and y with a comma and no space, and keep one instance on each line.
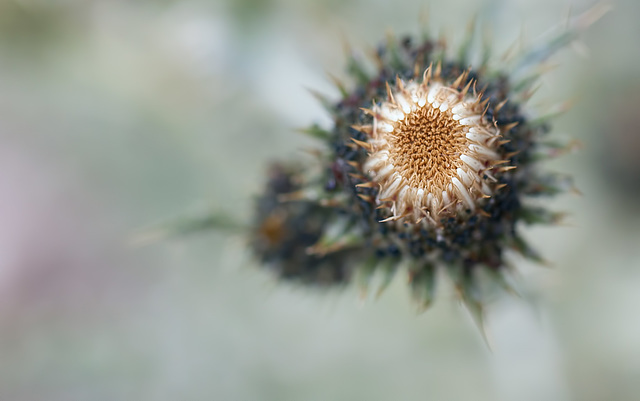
(431,149)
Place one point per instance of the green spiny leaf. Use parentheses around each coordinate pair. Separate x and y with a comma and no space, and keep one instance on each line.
(423,282)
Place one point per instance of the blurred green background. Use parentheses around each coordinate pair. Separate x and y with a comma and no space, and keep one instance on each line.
(115,115)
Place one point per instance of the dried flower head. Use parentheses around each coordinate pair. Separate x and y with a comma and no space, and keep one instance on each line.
(431,163)
(431,148)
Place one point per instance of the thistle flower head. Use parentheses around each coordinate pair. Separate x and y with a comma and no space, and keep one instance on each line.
(431,148)
(430,165)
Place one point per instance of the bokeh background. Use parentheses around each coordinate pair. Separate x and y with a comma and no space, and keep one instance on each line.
(117,115)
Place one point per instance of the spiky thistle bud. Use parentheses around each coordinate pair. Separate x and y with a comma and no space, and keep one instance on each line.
(430,164)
